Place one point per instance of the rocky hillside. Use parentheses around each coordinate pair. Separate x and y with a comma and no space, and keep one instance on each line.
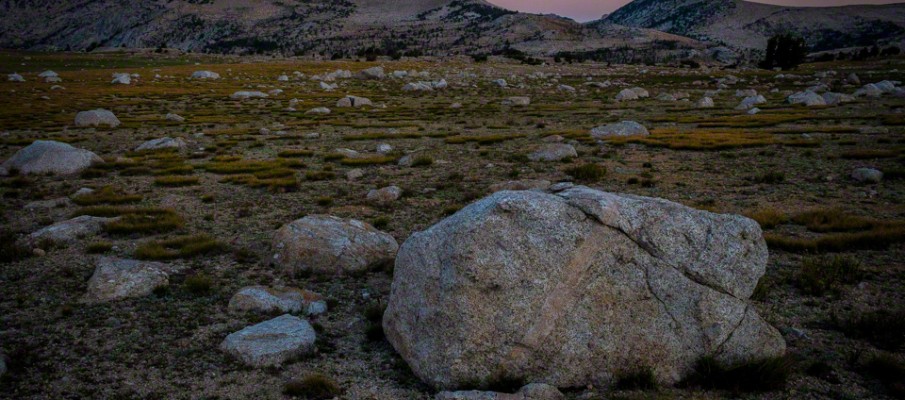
(295,27)
(746,25)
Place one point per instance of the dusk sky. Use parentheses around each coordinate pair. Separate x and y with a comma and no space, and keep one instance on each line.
(586,10)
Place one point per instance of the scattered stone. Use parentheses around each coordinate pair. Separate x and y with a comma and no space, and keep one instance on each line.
(566,88)
(853,79)
(285,300)
(705,102)
(329,87)
(534,391)
(746,93)
(517,101)
(68,232)
(162,143)
(624,128)
(15,78)
(501,83)
(749,102)
(205,75)
(384,148)
(626,95)
(244,94)
(96,118)
(385,195)
(553,152)
(174,118)
(354,101)
(49,157)
(318,110)
(867,175)
(332,245)
(544,286)
(117,279)
(354,174)
(374,73)
(869,90)
(807,98)
(122,79)
(283,78)
(754,111)
(272,342)
(832,99)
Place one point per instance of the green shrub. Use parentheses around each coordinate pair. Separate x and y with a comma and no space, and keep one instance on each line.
(819,275)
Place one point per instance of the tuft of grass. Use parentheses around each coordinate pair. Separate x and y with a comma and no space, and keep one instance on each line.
(770,177)
(325,201)
(833,220)
(135,219)
(484,139)
(198,284)
(868,154)
(883,328)
(890,372)
(178,247)
(876,239)
(423,161)
(641,379)
(587,172)
(373,160)
(319,175)
(819,275)
(768,218)
(295,153)
(373,314)
(764,375)
(106,195)
(99,247)
(312,387)
(175,181)
(451,209)
(10,250)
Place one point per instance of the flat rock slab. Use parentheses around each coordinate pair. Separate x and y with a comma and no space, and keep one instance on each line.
(576,287)
(69,231)
(272,342)
(287,300)
(50,157)
(553,152)
(332,245)
(118,279)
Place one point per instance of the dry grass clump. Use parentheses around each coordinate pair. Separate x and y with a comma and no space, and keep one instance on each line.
(10,249)
(756,376)
(136,219)
(890,372)
(883,328)
(319,175)
(198,284)
(701,140)
(768,218)
(258,180)
(99,247)
(233,166)
(640,379)
(176,181)
(423,160)
(833,220)
(819,275)
(372,160)
(868,154)
(106,195)
(178,247)
(312,387)
(481,139)
(295,153)
(876,239)
(587,172)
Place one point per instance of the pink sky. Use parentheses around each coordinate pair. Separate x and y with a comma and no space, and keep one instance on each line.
(586,10)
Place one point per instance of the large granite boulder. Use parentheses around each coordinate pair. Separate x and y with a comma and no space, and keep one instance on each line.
(272,342)
(50,157)
(576,287)
(331,245)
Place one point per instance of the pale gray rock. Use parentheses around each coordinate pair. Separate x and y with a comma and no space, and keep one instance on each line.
(283,78)
(329,87)
(545,286)
(354,174)
(517,101)
(705,102)
(374,73)
(49,157)
(566,88)
(640,92)
(624,128)
(205,75)
(745,93)
(749,102)
(353,101)
(753,111)
(385,195)
(272,342)
(553,152)
(245,94)
(832,99)
(384,148)
(853,79)
(69,231)
(318,111)
(666,97)
(807,98)
(15,78)
(96,118)
(117,279)
(501,83)
(59,202)
(626,95)
(162,143)
(332,245)
(121,79)
(174,118)
(263,299)
(867,175)
(869,90)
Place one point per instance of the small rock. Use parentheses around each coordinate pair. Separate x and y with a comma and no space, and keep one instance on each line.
(174,118)
(118,279)
(50,157)
(244,94)
(287,300)
(624,128)
(385,195)
(96,118)
(517,101)
(318,110)
(162,143)
(867,175)
(353,101)
(355,174)
(553,152)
